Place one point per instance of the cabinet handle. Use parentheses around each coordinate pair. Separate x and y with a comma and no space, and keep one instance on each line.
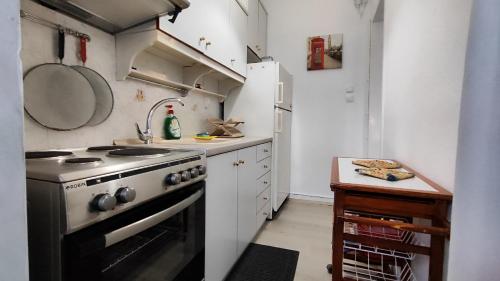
(265,198)
(236,164)
(208,44)
(202,39)
(241,162)
(265,167)
(265,182)
(233,61)
(266,151)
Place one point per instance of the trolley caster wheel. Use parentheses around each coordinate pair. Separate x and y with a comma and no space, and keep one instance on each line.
(329,268)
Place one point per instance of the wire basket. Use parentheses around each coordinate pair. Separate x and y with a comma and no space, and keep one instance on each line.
(406,237)
(361,267)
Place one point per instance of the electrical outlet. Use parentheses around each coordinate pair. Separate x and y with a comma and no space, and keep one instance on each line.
(140,95)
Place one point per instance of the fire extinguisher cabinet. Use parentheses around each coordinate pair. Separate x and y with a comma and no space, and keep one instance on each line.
(317,53)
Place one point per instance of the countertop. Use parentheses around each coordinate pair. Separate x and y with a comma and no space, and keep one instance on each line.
(211,148)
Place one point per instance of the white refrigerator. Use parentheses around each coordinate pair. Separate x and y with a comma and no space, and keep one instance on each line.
(264,103)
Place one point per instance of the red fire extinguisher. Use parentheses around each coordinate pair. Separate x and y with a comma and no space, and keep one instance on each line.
(317,53)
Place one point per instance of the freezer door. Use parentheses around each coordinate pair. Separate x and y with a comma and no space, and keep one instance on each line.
(281,157)
(284,91)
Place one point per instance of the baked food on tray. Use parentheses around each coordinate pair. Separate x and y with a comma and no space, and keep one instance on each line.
(385,174)
(383,164)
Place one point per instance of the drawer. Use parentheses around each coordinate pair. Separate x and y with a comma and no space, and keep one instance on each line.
(263,198)
(263,167)
(262,215)
(264,150)
(263,182)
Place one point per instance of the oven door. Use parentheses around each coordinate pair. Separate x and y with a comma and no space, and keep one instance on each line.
(160,240)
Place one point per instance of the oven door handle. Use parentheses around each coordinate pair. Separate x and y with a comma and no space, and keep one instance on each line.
(130,230)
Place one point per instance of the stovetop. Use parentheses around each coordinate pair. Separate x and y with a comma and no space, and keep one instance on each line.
(75,164)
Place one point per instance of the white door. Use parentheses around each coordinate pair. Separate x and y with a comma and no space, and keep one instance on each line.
(237,44)
(189,26)
(221,216)
(217,29)
(247,192)
(281,157)
(284,93)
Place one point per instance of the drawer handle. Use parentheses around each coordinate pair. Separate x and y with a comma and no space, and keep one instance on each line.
(265,150)
(265,198)
(265,166)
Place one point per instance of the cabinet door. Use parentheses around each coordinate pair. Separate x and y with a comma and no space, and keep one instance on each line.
(237,47)
(247,192)
(189,26)
(253,25)
(262,40)
(217,29)
(221,216)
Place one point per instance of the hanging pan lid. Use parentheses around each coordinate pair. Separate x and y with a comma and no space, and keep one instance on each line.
(57,96)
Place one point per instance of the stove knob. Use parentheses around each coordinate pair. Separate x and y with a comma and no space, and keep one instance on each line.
(194,172)
(103,202)
(173,179)
(125,194)
(185,175)
(202,169)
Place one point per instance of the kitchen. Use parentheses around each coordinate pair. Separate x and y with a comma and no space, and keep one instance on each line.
(334,113)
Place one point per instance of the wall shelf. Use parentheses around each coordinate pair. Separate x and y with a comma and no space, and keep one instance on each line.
(182,88)
(147,39)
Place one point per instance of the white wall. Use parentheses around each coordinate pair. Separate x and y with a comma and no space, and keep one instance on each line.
(424,54)
(39,46)
(324,125)
(423,67)
(13,234)
(375,91)
(474,246)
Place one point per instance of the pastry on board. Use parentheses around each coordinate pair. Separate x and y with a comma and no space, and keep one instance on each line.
(383,164)
(385,174)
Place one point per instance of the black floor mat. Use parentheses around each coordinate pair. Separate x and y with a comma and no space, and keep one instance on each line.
(265,263)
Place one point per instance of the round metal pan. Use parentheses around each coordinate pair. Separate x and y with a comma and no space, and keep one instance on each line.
(57,96)
(102,91)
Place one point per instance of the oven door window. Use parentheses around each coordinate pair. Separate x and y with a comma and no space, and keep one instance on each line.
(170,249)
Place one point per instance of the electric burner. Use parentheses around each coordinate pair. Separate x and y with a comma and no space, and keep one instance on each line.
(46,154)
(139,152)
(106,147)
(83,160)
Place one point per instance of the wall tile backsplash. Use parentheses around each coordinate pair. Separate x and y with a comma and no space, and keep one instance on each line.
(39,45)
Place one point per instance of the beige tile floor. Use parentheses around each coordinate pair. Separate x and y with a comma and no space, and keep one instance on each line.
(304,226)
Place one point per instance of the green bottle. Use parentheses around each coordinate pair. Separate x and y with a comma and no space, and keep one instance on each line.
(171,126)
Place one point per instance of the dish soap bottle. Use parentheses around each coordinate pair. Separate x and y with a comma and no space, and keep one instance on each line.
(171,126)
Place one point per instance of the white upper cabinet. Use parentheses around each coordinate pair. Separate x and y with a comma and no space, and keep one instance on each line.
(262,43)
(216,28)
(238,41)
(184,28)
(257,27)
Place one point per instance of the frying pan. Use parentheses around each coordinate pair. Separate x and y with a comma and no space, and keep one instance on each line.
(57,96)
(100,87)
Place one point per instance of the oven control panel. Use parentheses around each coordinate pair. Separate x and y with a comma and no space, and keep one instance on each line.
(93,200)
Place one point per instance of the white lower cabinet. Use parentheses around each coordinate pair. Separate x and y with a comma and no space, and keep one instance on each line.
(236,207)
(247,190)
(221,215)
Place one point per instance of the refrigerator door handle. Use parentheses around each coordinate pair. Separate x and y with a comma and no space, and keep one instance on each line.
(280,93)
(278,121)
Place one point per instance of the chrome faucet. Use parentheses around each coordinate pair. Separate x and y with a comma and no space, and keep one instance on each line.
(147,135)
